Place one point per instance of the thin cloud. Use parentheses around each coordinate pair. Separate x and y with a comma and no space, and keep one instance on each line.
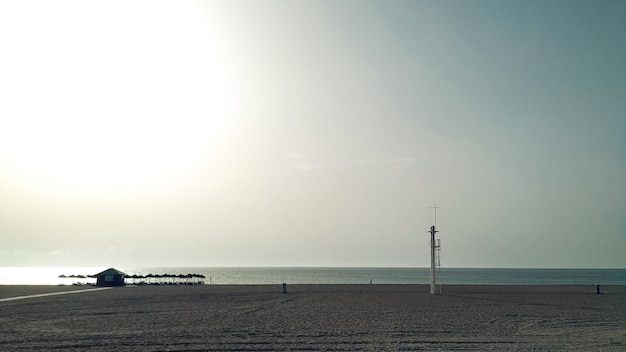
(15,252)
(58,253)
(302,161)
(306,166)
(297,156)
(402,162)
(399,162)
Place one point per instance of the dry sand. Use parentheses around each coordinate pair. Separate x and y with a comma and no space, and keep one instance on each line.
(315,318)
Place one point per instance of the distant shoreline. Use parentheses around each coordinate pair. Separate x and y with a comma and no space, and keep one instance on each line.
(322,275)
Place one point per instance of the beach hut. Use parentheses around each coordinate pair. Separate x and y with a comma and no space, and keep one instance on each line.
(110,277)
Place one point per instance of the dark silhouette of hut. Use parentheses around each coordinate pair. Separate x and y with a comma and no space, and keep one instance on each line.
(110,277)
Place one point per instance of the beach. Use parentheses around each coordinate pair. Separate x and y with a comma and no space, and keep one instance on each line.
(314,318)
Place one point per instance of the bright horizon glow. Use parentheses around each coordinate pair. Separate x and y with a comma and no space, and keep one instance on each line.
(312,134)
(115,108)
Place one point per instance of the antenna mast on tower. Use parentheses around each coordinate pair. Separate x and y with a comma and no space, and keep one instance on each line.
(435,247)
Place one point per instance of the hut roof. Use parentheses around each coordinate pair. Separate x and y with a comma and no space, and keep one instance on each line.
(110,271)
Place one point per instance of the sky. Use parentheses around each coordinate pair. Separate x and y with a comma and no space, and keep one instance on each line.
(313,133)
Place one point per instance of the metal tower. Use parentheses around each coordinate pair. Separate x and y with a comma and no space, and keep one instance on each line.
(435,259)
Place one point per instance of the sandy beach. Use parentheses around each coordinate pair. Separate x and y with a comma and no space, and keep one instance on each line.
(314,318)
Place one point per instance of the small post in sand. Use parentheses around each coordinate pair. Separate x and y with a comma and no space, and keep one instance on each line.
(284,287)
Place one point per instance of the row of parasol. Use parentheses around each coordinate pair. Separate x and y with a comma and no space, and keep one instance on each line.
(157,279)
(153,279)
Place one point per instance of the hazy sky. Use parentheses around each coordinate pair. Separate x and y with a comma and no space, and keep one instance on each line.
(312,133)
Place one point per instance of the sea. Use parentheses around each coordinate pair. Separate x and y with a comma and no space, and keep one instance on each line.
(325,275)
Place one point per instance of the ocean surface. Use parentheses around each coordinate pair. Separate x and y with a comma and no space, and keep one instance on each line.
(253,276)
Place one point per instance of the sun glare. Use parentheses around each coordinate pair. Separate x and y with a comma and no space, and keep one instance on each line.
(105,98)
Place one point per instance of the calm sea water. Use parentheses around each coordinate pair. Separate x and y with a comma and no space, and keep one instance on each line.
(247,276)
